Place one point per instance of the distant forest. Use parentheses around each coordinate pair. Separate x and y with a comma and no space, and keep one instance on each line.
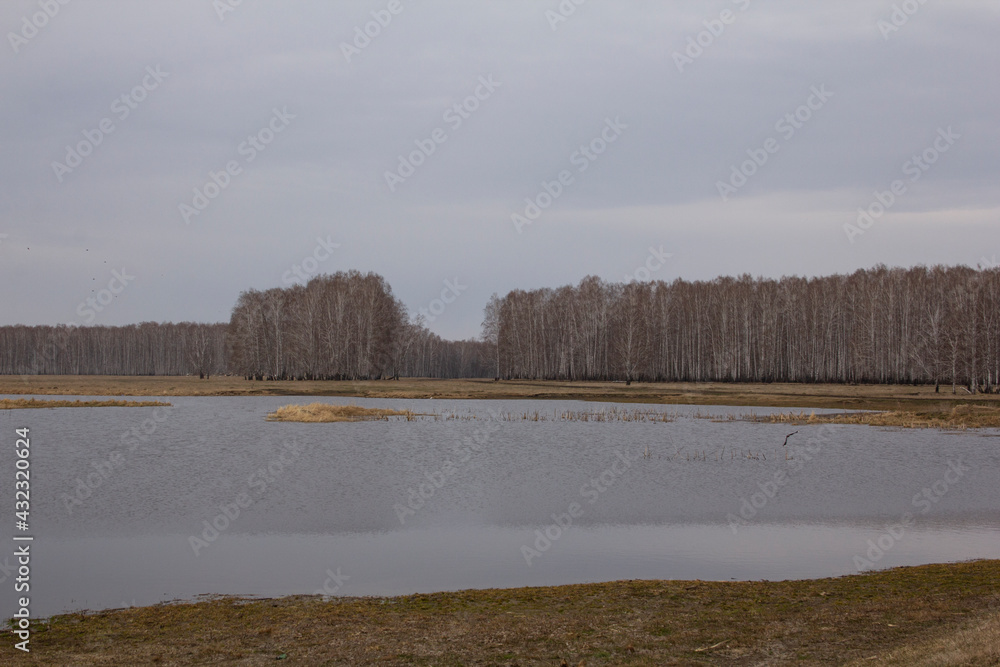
(346,326)
(937,325)
(919,325)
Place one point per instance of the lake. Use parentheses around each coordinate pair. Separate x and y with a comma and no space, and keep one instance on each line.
(132,506)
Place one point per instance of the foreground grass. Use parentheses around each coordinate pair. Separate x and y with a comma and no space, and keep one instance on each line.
(977,644)
(27,403)
(890,616)
(324,412)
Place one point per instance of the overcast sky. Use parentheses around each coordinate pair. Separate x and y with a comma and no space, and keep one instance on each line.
(116,115)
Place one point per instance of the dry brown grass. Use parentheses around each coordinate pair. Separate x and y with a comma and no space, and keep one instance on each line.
(893,614)
(959,417)
(855,397)
(906,405)
(976,644)
(29,403)
(325,412)
(608,414)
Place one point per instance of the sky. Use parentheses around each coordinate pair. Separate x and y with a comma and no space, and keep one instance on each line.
(158,158)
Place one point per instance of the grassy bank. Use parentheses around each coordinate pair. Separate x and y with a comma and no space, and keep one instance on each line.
(906,613)
(871,397)
(901,405)
(29,403)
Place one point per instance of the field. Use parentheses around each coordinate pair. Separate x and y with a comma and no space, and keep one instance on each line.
(905,616)
(32,403)
(857,397)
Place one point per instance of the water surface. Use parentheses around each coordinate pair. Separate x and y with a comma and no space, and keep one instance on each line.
(385,508)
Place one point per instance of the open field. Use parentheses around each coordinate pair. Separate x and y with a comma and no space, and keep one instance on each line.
(856,397)
(891,616)
(28,403)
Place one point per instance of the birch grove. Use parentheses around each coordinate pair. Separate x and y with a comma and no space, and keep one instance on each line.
(920,325)
(938,325)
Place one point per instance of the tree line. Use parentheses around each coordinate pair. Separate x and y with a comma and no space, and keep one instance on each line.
(919,325)
(936,325)
(345,326)
(136,349)
(341,326)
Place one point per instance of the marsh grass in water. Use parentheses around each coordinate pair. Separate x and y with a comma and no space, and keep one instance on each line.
(609,414)
(324,412)
(959,417)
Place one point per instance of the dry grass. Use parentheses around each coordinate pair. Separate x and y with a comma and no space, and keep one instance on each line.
(28,403)
(976,644)
(325,412)
(895,615)
(609,414)
(905,405)
(959,417)
(854,397)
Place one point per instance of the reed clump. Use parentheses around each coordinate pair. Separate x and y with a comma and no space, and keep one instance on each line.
(608,414)
(960,417)
(325,412)
(30,403)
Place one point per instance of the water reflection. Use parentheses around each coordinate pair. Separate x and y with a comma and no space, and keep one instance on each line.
(277,505)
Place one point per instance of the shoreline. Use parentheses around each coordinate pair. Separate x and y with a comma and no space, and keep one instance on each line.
(898,406)
(791,395)
(866,618)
